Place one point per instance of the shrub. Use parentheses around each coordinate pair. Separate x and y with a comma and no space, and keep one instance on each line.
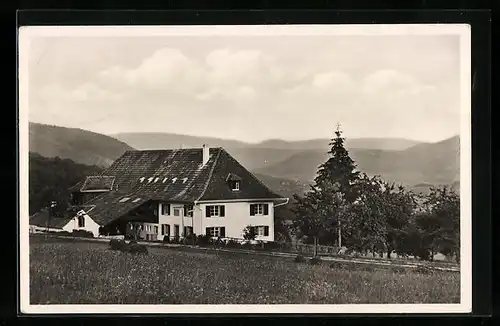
(249,233)
(166,239)
(135,248)
(233,244)
(203,240)
(300,259)
(131,242)
(248,246)
(190,239)
(83,234)
(271,246)
(315,261)
(115,244)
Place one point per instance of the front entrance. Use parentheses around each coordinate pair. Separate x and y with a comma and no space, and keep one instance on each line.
(176,230)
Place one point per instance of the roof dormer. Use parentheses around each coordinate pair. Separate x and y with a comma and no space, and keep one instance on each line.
(233,181)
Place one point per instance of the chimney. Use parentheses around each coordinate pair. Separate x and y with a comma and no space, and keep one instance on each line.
(206,154)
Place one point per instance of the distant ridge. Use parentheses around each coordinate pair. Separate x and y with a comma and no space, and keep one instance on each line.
(155,140)
(432,163)
(288,166)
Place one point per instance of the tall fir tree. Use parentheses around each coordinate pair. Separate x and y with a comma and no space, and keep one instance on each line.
(321,210)
(338,173)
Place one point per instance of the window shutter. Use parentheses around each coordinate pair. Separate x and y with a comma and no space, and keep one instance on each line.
(168,229)
(222,210)
(207,231)
(207,211)
(252,210)
(266,231)
(266,209)
(223,232)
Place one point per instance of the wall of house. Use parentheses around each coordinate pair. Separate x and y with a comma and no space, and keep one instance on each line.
(90,225)
(237,217)
(173,220)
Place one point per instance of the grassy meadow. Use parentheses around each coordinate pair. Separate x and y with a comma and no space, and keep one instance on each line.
(80,272)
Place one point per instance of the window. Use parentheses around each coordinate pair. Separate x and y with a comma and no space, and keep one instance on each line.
(235,185)
(165,209)
(124,199)
(165,229)
(215,211)
(136,200)
(259,209)
(176,230)
(188,210)
(262,230)
(177,212)
(218,231)
(81,221)
(188,231)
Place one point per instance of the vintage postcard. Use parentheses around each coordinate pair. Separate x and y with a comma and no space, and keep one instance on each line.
(245,169)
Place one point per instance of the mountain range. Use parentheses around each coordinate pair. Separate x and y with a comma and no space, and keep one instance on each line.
(285,166)
(169,140)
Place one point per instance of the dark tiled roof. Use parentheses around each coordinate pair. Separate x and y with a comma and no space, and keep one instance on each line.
(176,175)
(42,217)
(110,206)
(99,182)
(250,186)
(233,177)
(172,175)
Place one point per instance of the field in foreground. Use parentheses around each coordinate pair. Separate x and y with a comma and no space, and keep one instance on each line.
(72,272)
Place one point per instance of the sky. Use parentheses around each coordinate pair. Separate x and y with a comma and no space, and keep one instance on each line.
(249,87)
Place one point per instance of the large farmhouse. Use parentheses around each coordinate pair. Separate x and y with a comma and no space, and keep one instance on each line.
(172,193)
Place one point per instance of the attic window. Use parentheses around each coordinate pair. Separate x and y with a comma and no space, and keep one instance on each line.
(136,200)
(142,179)
(164,180)
(156,180)
(234,181)
(235,185)
(184,180)
(124,199)
(174,180)
(150,179)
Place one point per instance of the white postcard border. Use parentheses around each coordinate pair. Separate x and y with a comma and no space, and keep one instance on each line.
(462,30)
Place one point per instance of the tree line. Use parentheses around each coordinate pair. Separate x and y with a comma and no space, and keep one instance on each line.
(347,208)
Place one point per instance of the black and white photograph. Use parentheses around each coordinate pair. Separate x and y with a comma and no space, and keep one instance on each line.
(245,169)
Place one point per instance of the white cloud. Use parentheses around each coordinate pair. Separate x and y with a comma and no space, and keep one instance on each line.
(300,99)
(390,81)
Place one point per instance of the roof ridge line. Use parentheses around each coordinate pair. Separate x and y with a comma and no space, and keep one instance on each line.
(210,175)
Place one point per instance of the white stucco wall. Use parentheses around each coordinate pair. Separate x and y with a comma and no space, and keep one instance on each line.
(90,225)
(237,217)
(173,220)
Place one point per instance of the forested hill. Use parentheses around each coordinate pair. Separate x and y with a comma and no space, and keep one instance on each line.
(50,178)
(80,145)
